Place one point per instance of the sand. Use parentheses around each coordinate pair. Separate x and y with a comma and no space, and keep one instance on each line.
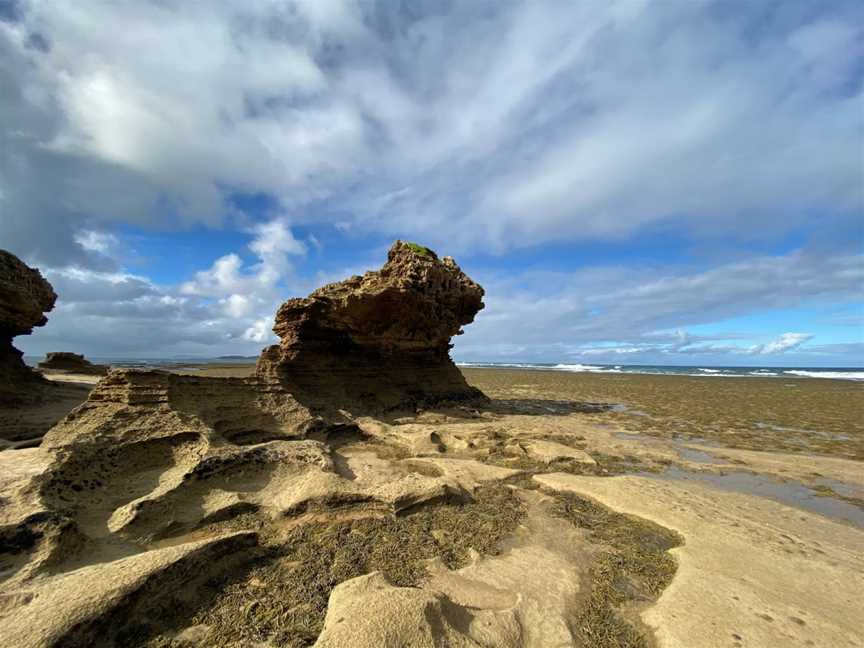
(751,571)
(573,509)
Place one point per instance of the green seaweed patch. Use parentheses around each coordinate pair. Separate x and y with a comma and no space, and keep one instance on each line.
(635,568)
(283,598)
(422,250)
(605,465)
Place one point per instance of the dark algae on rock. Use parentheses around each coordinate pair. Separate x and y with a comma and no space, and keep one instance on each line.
(633,568)
(283,596)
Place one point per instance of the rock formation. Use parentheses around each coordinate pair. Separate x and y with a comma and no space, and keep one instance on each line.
(367,345)
(380,341)
(71,363)
(25,297)
(296,508)
(156,457)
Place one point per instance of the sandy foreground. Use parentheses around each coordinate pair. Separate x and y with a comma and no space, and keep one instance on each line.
(694,512)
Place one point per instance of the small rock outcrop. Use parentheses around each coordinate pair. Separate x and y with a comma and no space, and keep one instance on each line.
(71,363)
(25,297)
(377,342)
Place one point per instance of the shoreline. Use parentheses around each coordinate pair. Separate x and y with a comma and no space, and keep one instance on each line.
(852,374)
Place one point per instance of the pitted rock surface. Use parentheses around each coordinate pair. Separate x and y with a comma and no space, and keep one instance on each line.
(152,460)
(377,342)
(25,297)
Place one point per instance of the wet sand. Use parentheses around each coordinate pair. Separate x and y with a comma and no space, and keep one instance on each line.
(803,415)
(806,415)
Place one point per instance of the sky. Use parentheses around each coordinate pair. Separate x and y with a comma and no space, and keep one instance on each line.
(632,181)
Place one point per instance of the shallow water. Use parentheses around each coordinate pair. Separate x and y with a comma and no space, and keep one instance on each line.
(621,408)
(690,454)
(699,456)
(789,493)
(841,488)
(780,428)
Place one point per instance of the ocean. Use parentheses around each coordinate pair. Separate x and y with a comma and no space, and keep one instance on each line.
(839,373)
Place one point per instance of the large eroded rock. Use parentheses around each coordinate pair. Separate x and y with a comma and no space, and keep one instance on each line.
(380,341)
(25,297)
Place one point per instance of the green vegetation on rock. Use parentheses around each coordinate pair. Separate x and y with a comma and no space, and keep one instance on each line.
(422,250)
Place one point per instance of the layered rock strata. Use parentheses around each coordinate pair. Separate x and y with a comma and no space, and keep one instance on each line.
(377,342)
(25,297)
(65,362)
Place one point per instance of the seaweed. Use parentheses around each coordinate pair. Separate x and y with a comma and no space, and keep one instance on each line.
(634,568)
(283,598)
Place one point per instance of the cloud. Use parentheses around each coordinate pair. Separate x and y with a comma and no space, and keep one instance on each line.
(610,311)
(242,291)
(259,331)
(785,342)
(496,126)
(228,307)
(480,127)
(600,314)
(99,242)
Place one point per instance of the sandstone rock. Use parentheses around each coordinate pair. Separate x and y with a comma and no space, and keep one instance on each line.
(25,297)
(549,451)
(368,344)
(368,612)
(94,605)
(71,363)
(492,601)
(377,342)
(131,479)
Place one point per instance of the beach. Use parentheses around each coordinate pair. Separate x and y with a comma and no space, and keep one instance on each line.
(432,325)
(755,474)
(674,511)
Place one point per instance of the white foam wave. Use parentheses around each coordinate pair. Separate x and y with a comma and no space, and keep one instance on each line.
(703,372)
(502,365)
(586,368)
(842,375)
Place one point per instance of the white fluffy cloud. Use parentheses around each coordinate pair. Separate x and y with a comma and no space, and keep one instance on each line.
(226,308)
(785,342)
(243,292)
